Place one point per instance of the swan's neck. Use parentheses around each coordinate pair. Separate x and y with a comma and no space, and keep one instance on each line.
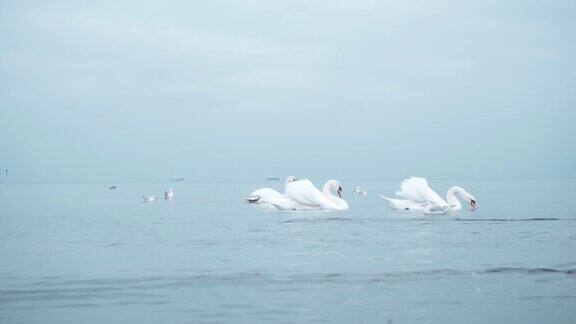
(341,203)
(452,197)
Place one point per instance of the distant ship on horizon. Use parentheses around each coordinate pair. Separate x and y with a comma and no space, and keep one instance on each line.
(271,178)
(177,179)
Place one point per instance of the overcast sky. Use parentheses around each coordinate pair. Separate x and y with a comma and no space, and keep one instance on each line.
(148,90)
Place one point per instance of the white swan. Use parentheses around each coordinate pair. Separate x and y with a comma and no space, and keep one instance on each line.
(418,196)
(360,192)
(305,194)
(272,198)
(169,194)
(150,198)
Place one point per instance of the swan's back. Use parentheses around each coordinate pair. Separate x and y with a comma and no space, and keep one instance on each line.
(417,189)
(305,193)
(266,193)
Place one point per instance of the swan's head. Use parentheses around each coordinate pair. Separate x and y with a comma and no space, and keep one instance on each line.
(469,199)
(463,195)
(472,203)
(290,179)
(334,186)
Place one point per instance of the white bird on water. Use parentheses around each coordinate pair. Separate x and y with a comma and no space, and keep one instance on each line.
(269,197)
(305,194)
(360,192)
(169,194)
(150,198)
(418,196)
(301,195)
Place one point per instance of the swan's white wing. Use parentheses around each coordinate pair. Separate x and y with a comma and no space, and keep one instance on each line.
(280,203)
(404,204)
(263,195)
(417,189)
(438,210)
(304,193)
(266,193)
(271,197)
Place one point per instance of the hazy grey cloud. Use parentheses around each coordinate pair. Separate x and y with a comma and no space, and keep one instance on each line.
(137,90)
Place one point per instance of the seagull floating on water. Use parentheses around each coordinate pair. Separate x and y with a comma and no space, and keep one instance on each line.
(150,198)
(360,192)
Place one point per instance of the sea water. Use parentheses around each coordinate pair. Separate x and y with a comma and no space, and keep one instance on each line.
(80,253)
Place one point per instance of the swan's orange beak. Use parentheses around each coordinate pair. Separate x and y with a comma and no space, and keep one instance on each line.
(472,204)
(339,192)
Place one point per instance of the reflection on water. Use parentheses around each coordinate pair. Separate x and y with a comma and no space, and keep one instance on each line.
(77,252)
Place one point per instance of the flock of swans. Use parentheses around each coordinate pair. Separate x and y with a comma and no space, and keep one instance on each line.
(414,196)
(300,194)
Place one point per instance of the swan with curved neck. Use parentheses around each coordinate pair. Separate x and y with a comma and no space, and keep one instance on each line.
(418,196)
(304,193)
(331,187)
(454,195)
(301,195)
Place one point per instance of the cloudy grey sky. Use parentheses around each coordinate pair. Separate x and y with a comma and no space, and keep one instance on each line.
(136,90)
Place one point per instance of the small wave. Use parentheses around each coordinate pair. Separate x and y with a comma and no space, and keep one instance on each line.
(120,285)
(529,270)
(536,219)
(78,305)
(157,290)
(322,219)
(423,218)
(152,291)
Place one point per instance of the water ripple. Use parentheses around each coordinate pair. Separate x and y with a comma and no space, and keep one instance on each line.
(536,219)
(95,288)
(159,290)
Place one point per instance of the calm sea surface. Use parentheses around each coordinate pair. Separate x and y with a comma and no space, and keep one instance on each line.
(77,252)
